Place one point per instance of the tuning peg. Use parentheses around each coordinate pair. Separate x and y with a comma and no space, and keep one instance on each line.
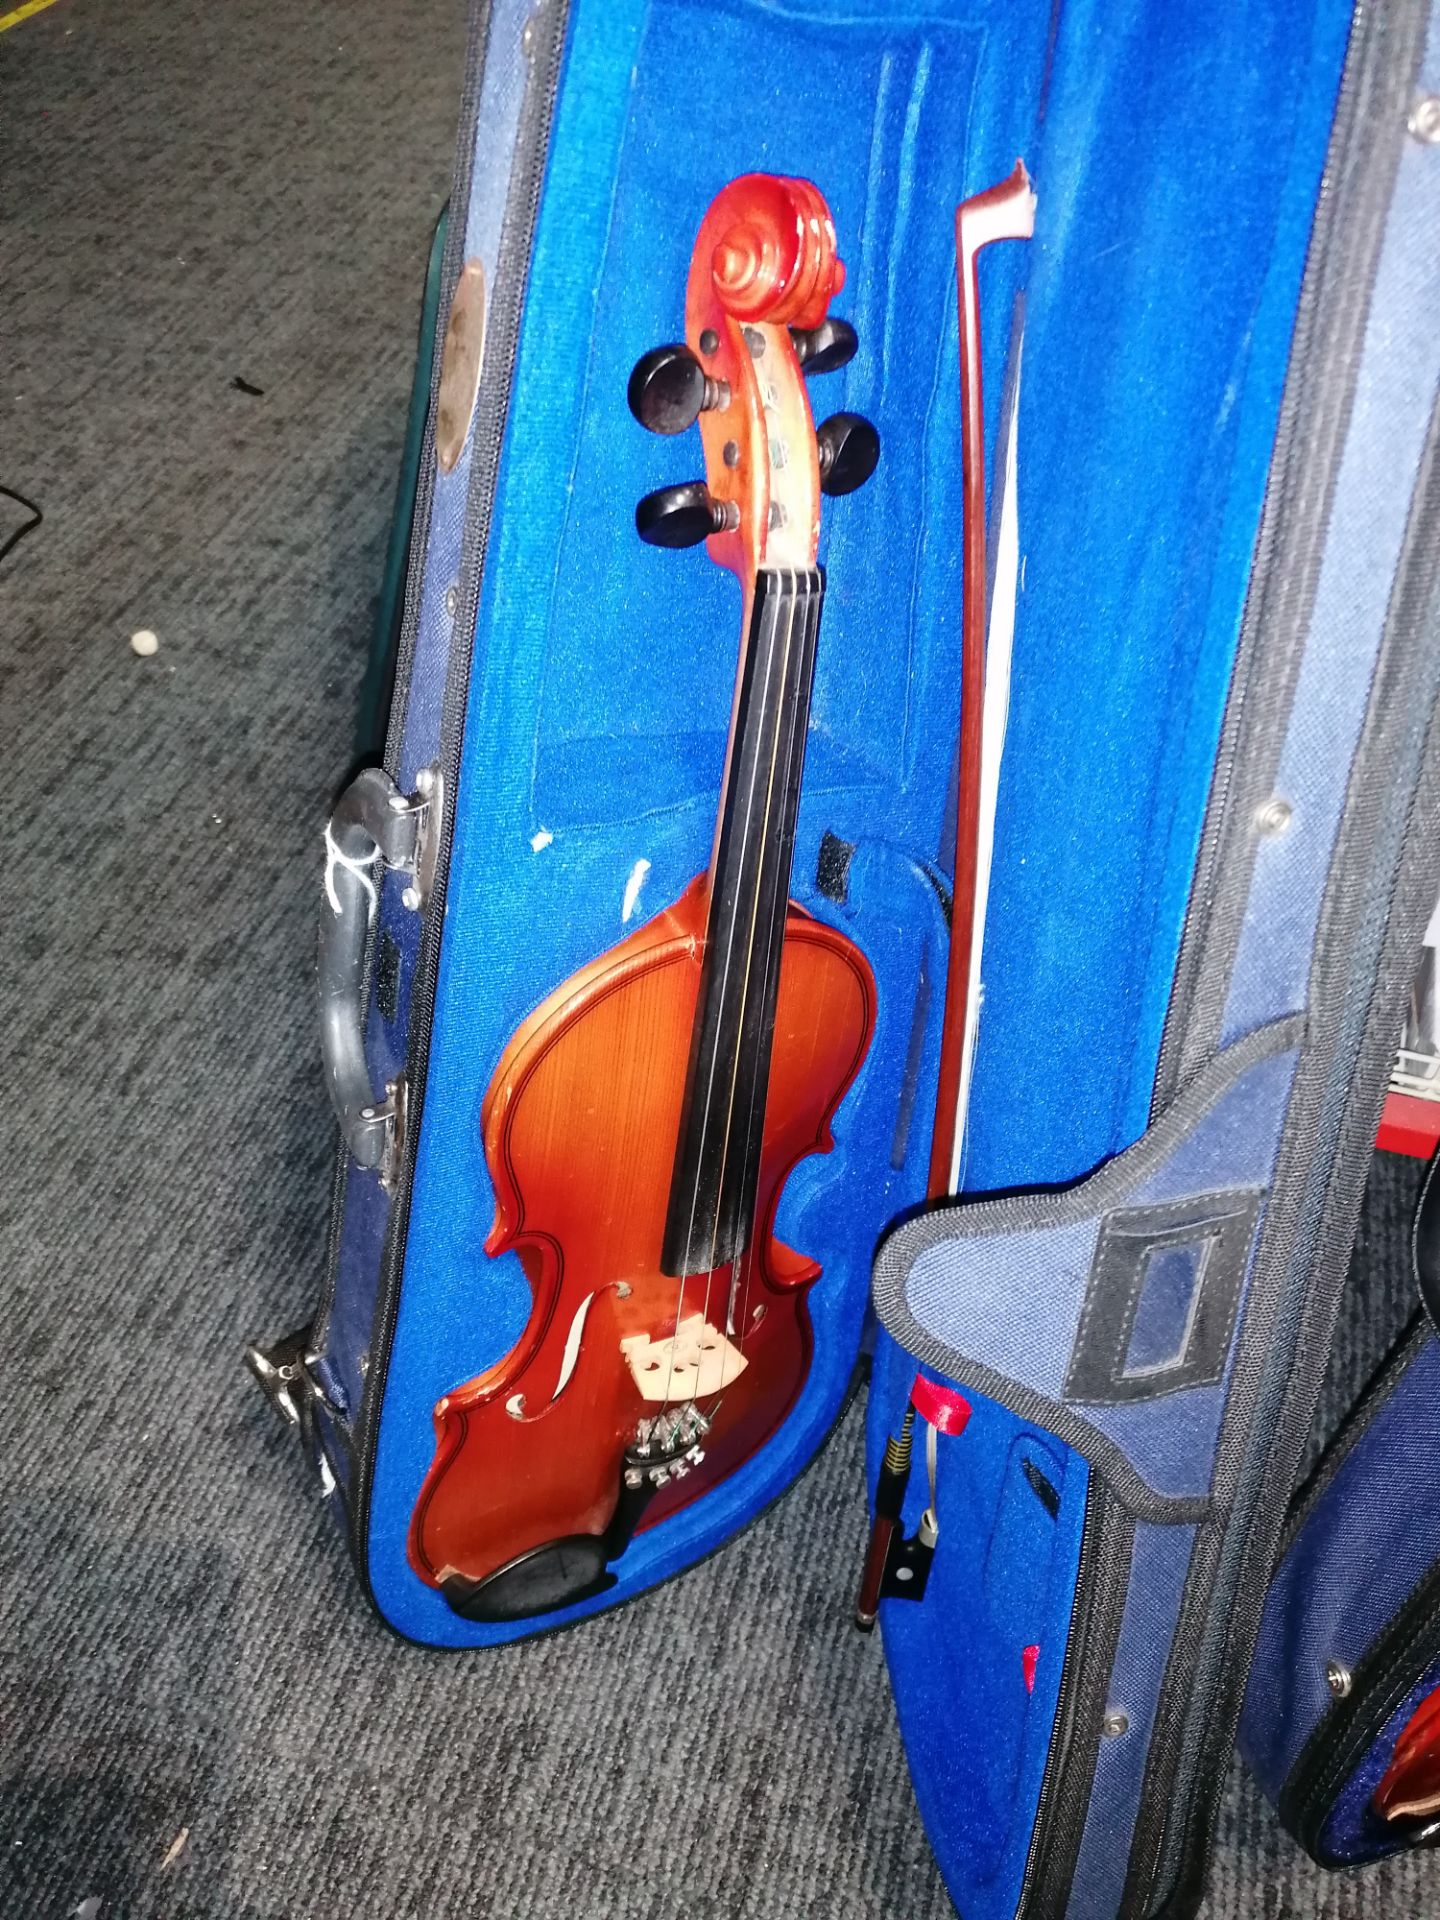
(669,390)
(826,348)
(849,448)
(683,516)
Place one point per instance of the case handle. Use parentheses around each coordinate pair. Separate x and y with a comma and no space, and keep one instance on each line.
(373,823)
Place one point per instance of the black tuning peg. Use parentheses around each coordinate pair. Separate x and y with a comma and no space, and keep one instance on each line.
(683,516)
(826,348)
(669,390)
(849,449)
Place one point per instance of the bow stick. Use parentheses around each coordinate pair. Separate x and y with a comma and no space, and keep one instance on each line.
(1003,212)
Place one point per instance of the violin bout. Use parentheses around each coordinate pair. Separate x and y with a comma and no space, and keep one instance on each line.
(580,1123)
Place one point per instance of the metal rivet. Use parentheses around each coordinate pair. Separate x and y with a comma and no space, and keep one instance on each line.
(452,601)
(1338,1679)
(1275,815)
(425,780)
(1115,1724)
(411,898)
(731,454)
(1425,119)
(709,340)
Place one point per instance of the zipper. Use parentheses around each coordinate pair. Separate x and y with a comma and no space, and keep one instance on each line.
(1101,1585)
(543,41)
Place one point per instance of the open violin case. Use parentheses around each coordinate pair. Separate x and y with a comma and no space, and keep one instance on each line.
(1210,382)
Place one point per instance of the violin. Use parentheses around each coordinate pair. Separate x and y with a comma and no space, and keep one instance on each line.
(643,1120)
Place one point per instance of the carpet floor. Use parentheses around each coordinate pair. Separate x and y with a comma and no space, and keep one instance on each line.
(215,226)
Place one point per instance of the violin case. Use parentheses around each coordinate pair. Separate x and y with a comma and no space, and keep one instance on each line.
(1341,1724)
(1214,850)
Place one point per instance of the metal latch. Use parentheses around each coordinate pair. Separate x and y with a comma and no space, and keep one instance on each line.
(283,1371)
(389,1114)
(373,822)
(423,811)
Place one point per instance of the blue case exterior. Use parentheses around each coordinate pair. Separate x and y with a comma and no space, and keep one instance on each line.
(1357,1590)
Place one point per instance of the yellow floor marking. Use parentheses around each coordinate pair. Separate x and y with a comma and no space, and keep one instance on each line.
(14,18)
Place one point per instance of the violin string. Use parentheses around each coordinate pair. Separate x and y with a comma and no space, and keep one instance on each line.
(778,666)
(783,584)
(707,1108)
(796,708)
(789,589)
(771,709)
(742,1264)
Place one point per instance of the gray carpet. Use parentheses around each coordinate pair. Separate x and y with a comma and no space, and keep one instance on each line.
(194,194)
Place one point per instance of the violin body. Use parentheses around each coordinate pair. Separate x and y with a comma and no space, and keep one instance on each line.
(580,1123)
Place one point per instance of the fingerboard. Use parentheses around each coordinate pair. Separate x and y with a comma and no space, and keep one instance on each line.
(717,1154)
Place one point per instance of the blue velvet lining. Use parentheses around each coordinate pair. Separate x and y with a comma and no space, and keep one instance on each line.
(1177,171)
(1002,1581)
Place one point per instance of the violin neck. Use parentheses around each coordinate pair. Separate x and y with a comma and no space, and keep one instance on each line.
(717,1156)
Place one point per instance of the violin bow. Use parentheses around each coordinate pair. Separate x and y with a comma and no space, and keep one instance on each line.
(1002,212)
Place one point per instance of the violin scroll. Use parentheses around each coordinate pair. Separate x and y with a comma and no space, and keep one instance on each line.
(764,271)
(772,251)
